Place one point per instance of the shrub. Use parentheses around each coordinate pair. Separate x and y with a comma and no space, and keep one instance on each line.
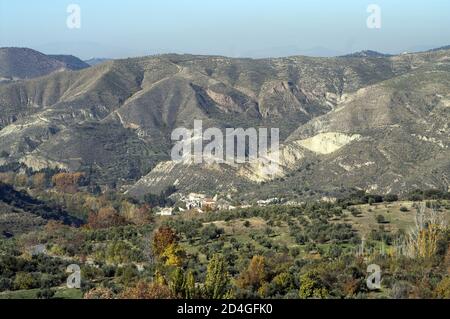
(381,219)
(45,293)
(443,289)
(390,198)
(355,212)
(24,281)
(99,293)
(312,286)
(211,232)
(5,284)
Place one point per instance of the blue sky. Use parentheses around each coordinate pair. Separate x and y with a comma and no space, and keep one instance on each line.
(257,28)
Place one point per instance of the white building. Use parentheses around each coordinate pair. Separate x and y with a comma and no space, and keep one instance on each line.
(269,201)
(193,200)
(167,211)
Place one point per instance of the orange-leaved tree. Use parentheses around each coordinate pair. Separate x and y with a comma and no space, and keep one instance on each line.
(255,274)
(162,239)
(67,182)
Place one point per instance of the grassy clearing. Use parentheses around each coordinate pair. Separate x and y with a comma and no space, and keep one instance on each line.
(61,293)
(20,294)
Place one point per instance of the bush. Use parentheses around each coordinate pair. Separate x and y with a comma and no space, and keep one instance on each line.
(24,281)
(312,286)
(211,232)
(295,252)
(355,212)
(443,289)
(391,198)
(419,195)
(5,284)
(45,293)
(381,219)
(372,199)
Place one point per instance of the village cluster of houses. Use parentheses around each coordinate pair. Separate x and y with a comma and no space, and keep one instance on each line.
(200,203)
(194,200)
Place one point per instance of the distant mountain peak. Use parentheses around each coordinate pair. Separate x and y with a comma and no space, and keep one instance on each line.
(367,54)
(96,61)
(24,63)
(72,62)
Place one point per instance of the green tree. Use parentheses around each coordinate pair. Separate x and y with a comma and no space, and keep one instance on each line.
(216,280)
(255,274)
(24,280)
(283,282)
(311,286)
(189,289)
(177,281)
(174,255)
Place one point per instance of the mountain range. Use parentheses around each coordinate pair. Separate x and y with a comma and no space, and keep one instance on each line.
(368,121)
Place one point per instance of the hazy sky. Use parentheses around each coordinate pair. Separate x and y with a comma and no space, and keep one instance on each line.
(119,28)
